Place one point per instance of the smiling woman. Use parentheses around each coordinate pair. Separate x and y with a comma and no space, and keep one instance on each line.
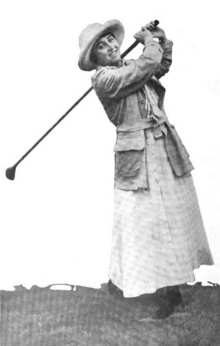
(158,233)
(95,34)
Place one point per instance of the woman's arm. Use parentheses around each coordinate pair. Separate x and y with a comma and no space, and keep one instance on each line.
(166,61)
(166,45)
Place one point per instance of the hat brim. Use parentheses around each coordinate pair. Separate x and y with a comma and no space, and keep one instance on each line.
(115,27)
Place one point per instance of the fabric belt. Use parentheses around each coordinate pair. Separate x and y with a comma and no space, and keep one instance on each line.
(141,124)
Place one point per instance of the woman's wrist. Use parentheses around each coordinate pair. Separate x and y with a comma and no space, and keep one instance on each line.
(162,40)
(148,39)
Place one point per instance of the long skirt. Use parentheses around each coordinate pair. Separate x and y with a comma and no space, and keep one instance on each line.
(158,234)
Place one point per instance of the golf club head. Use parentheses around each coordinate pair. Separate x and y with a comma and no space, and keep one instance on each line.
(10,172)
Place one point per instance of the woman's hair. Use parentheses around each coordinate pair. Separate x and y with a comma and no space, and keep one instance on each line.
(93,58)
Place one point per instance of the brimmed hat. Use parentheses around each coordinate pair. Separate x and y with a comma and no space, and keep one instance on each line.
(89,36)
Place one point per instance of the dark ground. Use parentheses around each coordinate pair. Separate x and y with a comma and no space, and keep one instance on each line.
(90,317)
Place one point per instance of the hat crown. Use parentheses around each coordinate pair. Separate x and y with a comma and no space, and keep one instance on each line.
(90,31)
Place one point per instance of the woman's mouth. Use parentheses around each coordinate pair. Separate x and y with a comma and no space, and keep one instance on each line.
(113,54)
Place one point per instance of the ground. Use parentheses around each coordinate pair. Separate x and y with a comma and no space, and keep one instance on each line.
(91,317)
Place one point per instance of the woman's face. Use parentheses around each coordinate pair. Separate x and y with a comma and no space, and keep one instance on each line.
(107,51)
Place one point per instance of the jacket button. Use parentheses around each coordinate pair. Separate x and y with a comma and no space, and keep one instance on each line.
(172,126)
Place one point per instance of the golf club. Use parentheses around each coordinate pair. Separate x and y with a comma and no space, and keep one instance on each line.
(10,172)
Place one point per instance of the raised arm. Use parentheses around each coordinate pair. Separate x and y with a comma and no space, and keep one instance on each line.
(166,61)
(166,45)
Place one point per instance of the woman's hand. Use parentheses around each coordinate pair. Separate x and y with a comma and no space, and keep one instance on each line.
(156,31)
(143,36)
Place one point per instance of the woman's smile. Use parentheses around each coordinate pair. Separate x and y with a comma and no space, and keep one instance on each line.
(107,51)
(113,54)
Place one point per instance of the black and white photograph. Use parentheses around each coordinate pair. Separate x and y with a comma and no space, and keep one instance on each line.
(110,184)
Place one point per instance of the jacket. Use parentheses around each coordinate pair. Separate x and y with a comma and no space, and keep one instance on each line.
(121,93)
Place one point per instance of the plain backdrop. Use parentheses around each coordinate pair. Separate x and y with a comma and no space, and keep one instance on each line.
(56,216)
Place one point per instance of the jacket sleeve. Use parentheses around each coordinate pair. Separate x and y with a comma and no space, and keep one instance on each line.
(115,83)
(166,61)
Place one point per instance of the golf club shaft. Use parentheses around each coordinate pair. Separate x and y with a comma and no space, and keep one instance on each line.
(58,121)
(10,172)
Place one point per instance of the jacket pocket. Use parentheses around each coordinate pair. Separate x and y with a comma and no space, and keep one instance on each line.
(178,141)
(129,152)
(176,151)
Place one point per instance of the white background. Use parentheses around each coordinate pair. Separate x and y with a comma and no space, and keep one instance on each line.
(56,216)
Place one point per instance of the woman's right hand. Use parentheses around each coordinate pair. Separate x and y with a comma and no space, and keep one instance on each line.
(143,36)
(156,31)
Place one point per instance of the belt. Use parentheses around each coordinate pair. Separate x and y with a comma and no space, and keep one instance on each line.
(141,124)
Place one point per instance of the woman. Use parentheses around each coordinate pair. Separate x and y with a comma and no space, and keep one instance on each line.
(158,234)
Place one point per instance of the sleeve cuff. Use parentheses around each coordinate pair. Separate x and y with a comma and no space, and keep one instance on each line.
(167,44)
(154,44)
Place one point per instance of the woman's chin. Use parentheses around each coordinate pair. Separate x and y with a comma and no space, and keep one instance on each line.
(115,62)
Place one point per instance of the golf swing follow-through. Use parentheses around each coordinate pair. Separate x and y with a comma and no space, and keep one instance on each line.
(158,234)
(10,172)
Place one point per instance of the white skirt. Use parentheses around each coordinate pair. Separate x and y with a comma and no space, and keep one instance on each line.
(158,234)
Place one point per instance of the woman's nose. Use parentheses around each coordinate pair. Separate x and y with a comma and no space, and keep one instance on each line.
(110,47)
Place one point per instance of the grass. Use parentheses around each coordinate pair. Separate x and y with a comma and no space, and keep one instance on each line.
(90,317)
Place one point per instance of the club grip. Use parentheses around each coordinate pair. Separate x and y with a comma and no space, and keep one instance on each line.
(156,22)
